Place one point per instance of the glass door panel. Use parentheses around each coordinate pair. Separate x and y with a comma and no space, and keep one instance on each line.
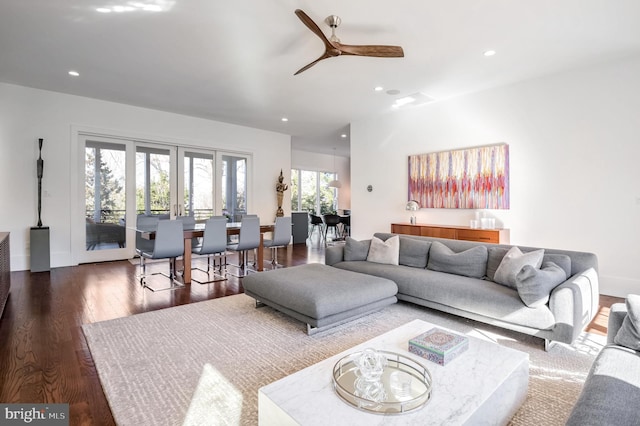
(197,187)
(105,202)
(233,189)
(155,182)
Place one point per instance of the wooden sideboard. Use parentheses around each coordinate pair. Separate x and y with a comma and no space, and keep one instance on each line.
(496,236)
(5,269)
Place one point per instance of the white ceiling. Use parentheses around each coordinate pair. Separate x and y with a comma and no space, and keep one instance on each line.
(233,61)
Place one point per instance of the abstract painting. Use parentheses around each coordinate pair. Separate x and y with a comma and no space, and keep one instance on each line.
(474,178)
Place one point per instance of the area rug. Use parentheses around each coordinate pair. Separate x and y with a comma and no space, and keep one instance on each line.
(151,365)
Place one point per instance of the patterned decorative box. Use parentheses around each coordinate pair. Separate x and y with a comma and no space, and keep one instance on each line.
(438,345)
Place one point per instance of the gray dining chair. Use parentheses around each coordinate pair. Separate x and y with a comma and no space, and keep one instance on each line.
(144,223)
(214,246)
(188,222)
(169,244)
(281,238)
(249,239)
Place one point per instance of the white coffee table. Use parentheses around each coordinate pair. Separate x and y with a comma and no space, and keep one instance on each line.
(483,386)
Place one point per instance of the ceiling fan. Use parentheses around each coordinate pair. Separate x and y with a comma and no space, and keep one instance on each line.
(334,48)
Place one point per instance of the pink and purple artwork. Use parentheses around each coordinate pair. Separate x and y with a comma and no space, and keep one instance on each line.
(474,178)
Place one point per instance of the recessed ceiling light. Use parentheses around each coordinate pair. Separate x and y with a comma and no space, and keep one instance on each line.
(489,53)
(378,88)
(344,135)
(103,10)
(284,119)
(74,73)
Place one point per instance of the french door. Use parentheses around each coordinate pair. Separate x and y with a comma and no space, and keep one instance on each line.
(121,179)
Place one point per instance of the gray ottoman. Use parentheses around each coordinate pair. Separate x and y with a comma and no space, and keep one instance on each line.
(321,296)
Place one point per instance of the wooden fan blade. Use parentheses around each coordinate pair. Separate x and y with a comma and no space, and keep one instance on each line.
(306,67)
(314,28)
(378,51)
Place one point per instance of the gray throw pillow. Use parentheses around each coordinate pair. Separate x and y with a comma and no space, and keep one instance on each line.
(496,254)
(629,334)
(414,252)
(562,260)
(470,263)
(356,250)
(534,285)
(513,262)
(386,252)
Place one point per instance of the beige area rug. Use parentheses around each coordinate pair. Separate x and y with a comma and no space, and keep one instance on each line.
(150,365)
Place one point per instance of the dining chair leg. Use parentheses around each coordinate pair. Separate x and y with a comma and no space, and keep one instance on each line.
(211,269)
(174,283)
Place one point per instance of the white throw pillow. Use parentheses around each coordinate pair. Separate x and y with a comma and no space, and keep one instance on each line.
(387,252)
(513,262)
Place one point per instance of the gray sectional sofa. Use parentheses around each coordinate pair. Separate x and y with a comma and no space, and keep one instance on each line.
(458,277)
(612,390)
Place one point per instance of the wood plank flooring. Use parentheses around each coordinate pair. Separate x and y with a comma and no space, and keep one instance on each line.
(44,357)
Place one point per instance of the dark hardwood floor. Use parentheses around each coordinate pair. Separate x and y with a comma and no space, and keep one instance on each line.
(44,357)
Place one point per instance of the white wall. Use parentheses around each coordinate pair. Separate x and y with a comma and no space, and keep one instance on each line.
(574,155)
(325,163)
(28,114)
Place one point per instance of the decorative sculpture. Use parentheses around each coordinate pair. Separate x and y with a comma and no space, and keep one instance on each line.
(280,188)
(40,164)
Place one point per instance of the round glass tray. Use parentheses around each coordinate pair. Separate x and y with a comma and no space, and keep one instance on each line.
(404,385)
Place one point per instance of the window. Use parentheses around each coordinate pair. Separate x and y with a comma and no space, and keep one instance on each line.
(309,192)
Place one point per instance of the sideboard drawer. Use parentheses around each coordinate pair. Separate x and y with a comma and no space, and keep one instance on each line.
(485,236)
(427,231)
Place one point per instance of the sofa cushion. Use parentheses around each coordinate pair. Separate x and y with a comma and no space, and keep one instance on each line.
(473,295)
(513,262)
(534,285)
(629,334)
(414,252)
(386,252)
(469,263)
(356,250)
(496,254)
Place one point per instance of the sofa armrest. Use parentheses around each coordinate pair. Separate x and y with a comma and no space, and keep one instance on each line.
(333,255)
(616,316)
(574,304)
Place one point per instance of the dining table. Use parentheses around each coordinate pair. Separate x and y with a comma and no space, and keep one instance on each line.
(233,228)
